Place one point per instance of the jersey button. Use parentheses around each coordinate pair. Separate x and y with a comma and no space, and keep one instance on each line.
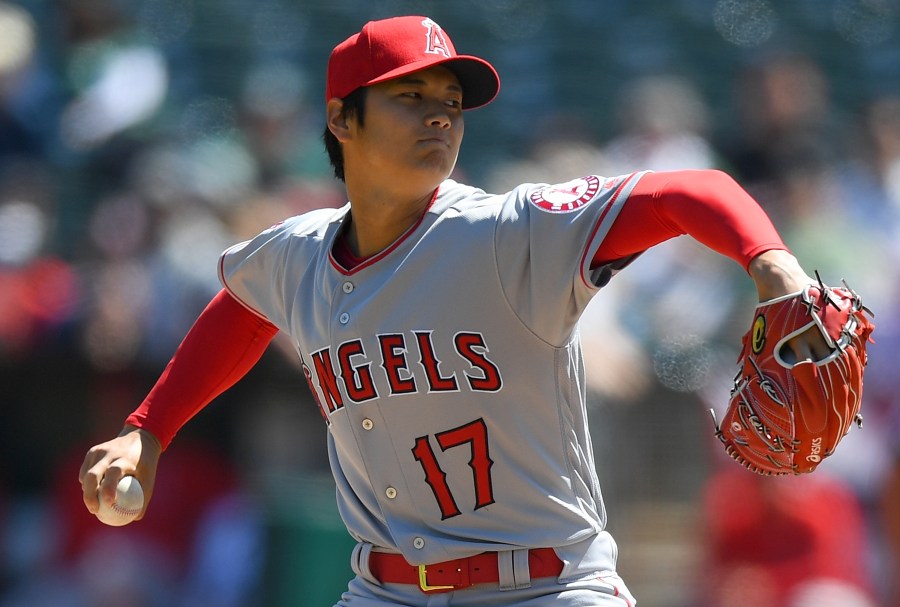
(368,424)
(347,287)
(344,318)
(390,492)
(419,543)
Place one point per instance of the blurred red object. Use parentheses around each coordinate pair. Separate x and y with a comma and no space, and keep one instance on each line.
(768,537)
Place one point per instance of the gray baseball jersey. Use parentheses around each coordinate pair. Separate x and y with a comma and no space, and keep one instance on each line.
(448,367)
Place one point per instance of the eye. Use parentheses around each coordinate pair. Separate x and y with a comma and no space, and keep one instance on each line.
(455,103)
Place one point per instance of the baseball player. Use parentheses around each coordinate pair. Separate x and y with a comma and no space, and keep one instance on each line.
(437,328)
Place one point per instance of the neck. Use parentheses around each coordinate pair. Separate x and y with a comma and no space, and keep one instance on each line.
(379,219)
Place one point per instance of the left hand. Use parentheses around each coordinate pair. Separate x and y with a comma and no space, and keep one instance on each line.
(777,273)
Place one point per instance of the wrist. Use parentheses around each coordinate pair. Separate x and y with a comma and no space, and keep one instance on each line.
(776,273)
(146,435)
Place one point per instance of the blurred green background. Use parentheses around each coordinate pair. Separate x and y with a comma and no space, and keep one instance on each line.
(139,139)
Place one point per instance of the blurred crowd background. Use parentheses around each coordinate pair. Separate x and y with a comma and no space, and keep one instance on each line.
(140,138)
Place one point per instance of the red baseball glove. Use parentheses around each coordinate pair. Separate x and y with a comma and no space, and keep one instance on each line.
(785,417)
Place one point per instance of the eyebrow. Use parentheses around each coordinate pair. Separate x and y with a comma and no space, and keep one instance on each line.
(412,79)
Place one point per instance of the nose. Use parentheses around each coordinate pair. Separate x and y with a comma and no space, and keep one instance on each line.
(441,121)
(439,116)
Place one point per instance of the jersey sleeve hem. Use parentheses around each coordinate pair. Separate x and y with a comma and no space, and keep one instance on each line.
(224,281)
(602,227)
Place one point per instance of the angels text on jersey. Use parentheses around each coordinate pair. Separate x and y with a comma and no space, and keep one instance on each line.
(351,367)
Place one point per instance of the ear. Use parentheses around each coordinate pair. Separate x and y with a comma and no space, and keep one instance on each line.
(336,122)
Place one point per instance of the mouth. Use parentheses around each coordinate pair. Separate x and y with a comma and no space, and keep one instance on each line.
(436,139)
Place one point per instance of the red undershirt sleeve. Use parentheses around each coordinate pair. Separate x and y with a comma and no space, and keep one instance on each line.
(225,342)
(708,205)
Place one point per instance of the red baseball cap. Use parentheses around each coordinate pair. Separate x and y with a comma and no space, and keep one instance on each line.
(390,48)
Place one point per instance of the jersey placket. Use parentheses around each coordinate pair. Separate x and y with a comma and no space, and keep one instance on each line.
(365,422)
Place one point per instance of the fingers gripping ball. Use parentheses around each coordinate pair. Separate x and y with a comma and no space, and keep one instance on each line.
(127,506)
(785,417)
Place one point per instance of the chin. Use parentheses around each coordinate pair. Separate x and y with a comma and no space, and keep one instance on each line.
(442,167)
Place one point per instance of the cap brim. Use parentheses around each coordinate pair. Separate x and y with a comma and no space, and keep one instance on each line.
(479,79)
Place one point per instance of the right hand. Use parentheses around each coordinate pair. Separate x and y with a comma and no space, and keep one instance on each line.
(135,452)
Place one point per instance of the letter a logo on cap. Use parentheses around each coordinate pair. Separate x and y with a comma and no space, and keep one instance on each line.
(435,43)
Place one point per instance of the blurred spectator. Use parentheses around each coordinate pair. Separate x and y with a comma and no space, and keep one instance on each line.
(787,126)
(39,291)
(779,96)
(772,541)
(870,179)
(889,520)
(664,123)
(282,127)
(24,87)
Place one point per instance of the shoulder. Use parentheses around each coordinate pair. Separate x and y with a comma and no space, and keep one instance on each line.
(580,196)
(452,194)
(459,198)
(306,230)
(310,228)
(311,223)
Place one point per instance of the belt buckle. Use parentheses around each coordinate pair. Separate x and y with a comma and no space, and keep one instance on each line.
(423,582)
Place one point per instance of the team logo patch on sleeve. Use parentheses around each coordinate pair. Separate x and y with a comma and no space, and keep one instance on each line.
(566,197)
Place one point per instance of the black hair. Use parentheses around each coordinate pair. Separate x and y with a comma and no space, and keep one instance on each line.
(354,105)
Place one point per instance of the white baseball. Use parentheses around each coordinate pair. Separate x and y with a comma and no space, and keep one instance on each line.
(129,503)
